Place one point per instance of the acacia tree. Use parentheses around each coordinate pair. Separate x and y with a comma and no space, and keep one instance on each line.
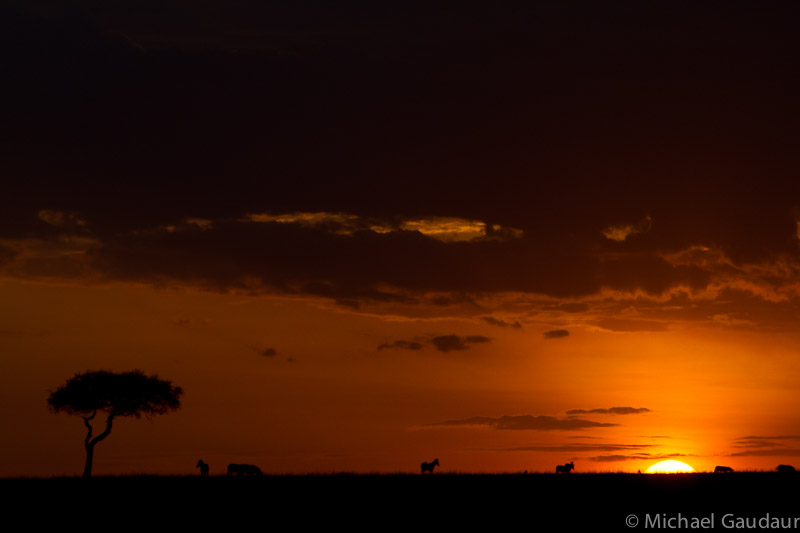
(115,394)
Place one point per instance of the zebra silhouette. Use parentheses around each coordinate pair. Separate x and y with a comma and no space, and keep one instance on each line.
(428,467)
(565,469)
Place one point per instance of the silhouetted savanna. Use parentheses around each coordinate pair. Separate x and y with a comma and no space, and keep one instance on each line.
(590,500)
(244,470)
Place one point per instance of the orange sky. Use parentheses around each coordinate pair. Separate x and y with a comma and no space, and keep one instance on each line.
(360,239)
(330,401)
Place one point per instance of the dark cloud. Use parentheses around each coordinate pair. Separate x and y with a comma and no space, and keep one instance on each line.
(610,411)
(631,324)
(268,352)
(571,307)
(768,452)
(763,442)
(754,444)
(581,447)
(402,132)
(401,344)
(616,458)
(556,334)
(523,422)
(443,343)
(766,446)
(770,437)
(446,343)
(501,323)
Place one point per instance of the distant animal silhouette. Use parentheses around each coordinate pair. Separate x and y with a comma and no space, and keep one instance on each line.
(723,470)
(565,469)
(203,468)
(428,467)
(785,468)
(244,470)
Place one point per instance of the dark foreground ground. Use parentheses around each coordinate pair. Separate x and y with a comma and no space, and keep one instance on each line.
(536,502)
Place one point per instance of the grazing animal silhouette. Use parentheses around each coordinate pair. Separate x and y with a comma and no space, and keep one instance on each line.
(565,469)
(723,470)
(428,467)
(244,470)
(203,468)
(785,468)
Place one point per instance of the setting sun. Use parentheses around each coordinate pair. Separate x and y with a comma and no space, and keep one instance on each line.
(669,467)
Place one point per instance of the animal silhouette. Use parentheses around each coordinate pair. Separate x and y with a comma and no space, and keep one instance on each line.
(565,469)
(203,468)
(785,468)
(244,470)
(428,467)
(723,470)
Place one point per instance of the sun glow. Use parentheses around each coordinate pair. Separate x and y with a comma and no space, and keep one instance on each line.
(669,467)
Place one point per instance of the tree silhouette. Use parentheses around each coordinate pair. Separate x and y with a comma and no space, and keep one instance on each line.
(116,394)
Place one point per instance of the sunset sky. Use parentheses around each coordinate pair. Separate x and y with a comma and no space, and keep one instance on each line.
(360,238)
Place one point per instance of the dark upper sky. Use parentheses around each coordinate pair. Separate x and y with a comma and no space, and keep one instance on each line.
(628,145)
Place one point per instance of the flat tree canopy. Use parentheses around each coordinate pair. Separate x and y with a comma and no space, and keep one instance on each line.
(115,394)
(124,394)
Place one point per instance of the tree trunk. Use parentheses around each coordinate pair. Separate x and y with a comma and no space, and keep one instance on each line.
(87,470)
(89,442)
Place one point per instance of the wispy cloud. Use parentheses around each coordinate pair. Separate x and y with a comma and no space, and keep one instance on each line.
(618,457)
(401,345)
(621,232)
(501,323)
(445,229)
(525,422)
(768,452)
(610,411)
(579,447)
(446,343)
(766,446)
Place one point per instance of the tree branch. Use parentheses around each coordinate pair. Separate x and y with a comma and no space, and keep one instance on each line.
(86,420)
(105,432)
